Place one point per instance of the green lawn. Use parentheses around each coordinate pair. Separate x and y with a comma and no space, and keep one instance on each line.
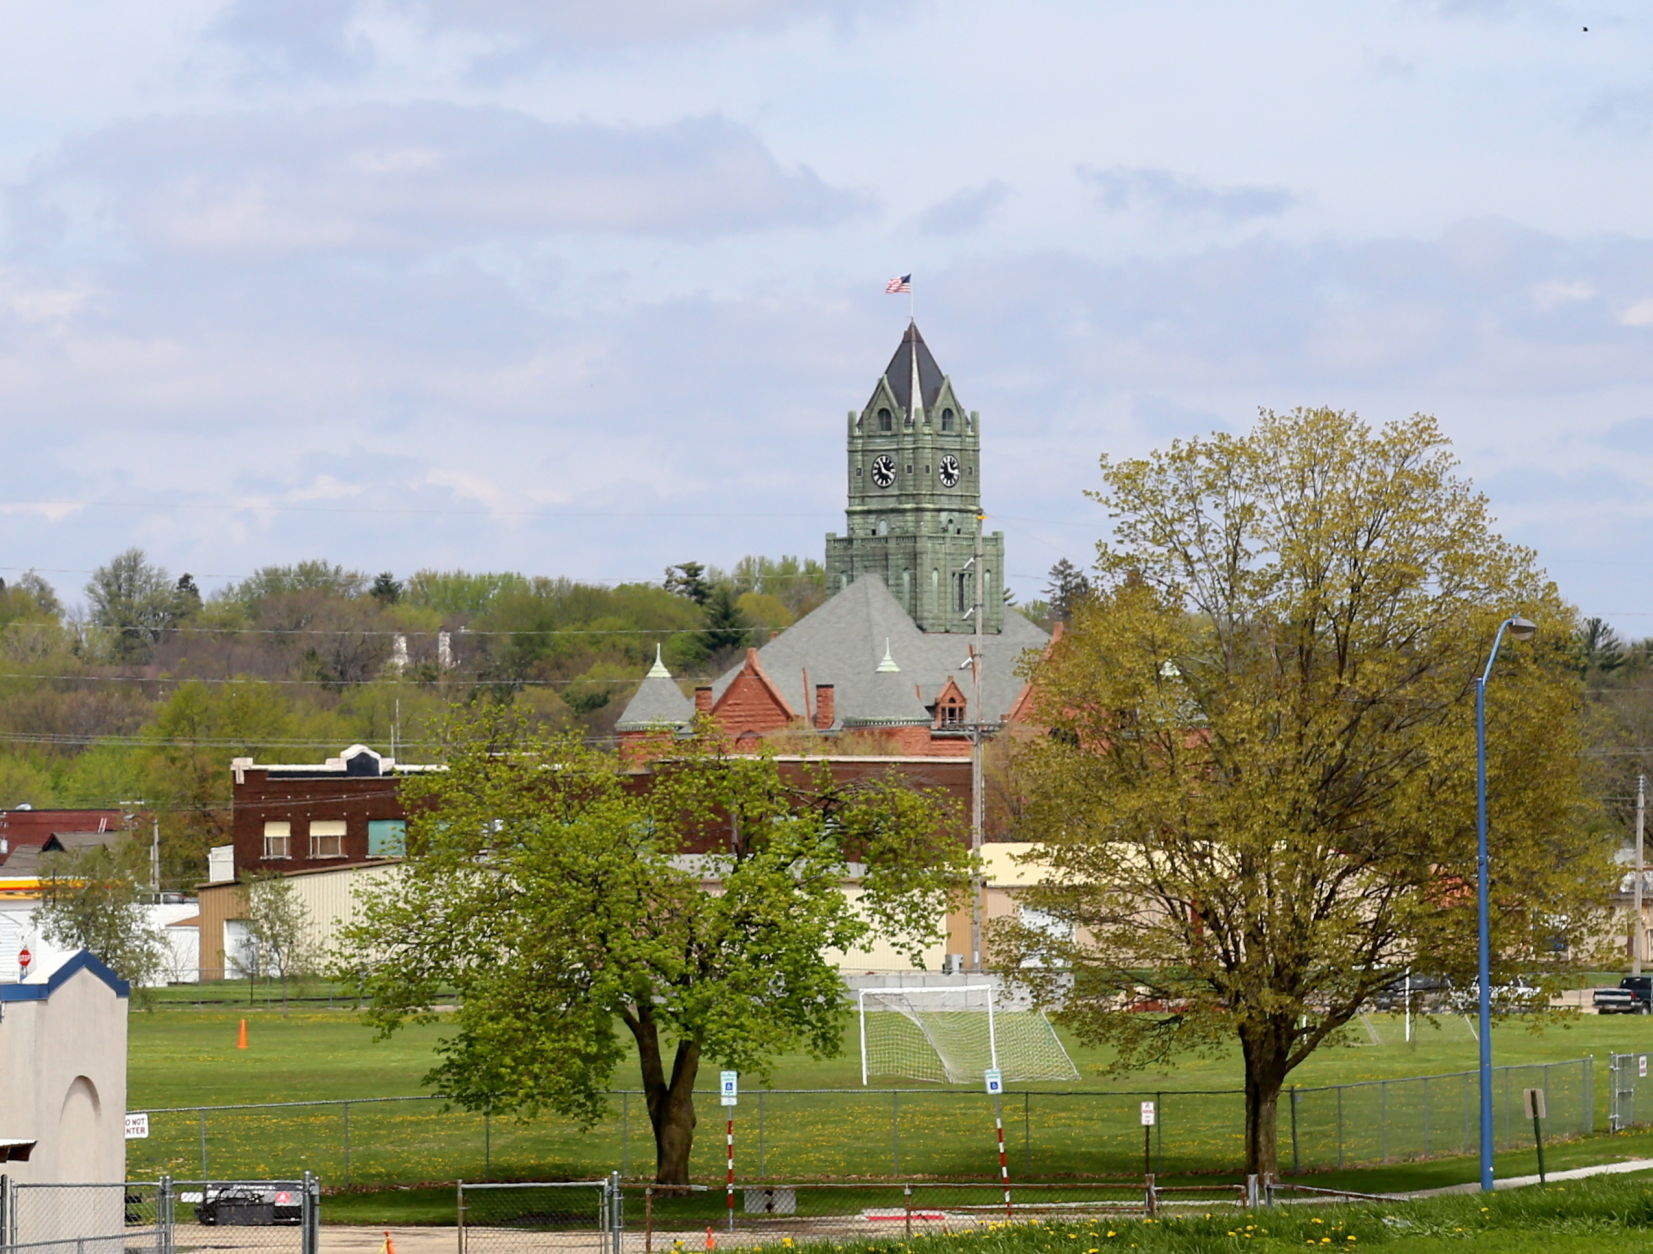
(186,1057)
(1585,1217)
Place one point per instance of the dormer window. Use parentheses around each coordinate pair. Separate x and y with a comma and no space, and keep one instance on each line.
(886,420)
(946,420)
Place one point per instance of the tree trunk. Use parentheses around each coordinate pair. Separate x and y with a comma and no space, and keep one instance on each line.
(670,1099)
(1265,1052)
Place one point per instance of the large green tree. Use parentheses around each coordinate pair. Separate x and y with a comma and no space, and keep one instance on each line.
(572,902)
(1257,802)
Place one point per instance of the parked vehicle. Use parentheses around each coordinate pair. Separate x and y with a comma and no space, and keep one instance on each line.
(1510,998)
(1429,993)
(1633,996)
(249,1205)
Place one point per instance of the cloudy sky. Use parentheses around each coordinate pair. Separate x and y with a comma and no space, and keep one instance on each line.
(587,289)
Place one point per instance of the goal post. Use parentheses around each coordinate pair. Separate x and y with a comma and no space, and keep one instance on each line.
(954,1035)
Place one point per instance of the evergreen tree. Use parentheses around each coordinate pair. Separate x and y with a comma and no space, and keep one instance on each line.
(725,629)
(386,589)
(688,579)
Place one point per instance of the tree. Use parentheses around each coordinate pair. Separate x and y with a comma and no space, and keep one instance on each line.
(186,597)
(1067,587)
(91,900)
(134,601)
(1258,795)
(546,885)
(386,589)
(725,629)
(688,579)
(278,924)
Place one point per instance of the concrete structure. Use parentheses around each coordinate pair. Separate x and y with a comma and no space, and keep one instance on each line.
(63,1054)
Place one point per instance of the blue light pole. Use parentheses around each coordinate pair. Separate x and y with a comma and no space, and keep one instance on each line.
(1521,629)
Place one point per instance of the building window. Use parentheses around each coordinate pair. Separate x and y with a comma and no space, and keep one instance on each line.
(960,604)
(952,714)
(946,420)
(387,838)
(885,421)
(327,838)
(278,840)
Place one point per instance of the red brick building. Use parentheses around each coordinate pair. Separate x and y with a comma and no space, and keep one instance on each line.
(296,817)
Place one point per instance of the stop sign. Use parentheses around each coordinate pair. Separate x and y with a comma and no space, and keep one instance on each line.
(24,957)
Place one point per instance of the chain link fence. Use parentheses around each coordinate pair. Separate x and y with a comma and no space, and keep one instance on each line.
(575,1217)
(820,1134)
(155,1217)
(1629,1091)
(1382,1121)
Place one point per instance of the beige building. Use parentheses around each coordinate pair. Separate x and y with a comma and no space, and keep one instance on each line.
(63,1055)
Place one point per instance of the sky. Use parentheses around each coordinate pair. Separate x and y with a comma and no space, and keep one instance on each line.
(588,290)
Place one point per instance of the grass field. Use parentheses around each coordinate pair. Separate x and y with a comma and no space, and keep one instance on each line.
(189,1058)
(1585,1217)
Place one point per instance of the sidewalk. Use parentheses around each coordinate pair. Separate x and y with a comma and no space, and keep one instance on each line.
(1521,1182)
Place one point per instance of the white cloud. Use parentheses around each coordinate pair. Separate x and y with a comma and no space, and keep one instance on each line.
(414,178)
(1639,314)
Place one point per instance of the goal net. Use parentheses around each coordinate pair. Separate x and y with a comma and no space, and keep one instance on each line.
(953,1035)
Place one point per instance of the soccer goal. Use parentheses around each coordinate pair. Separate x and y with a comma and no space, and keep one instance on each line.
(953,1035)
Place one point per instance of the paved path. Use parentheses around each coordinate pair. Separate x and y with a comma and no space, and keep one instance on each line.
(1521,1182)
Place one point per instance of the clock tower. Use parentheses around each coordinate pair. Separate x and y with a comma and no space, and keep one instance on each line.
(914,469)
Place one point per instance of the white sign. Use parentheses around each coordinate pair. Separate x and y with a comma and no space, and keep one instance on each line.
(995,1080)
(1147,1114)
(1641,1065)
(730,1086)
(137,1127)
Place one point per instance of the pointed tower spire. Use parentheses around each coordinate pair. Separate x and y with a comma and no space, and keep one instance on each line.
(887,666)
(658,670)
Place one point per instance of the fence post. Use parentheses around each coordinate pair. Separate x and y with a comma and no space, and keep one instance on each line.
(1426,1116)
(1150,1202)
(617,1217)
(1340,1125)
(907,1205)
(346,1107)
(459,1213)
(895,1132)
(312,1214)
(1383,1119)
(487,1144)
(201,1112)
(1159,1132)
(1296,1161)
(163,1214)
(761,1159)
(1027,1134)
(648,1219)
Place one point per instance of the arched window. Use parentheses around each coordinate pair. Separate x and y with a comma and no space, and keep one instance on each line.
(886,422)
(946,420)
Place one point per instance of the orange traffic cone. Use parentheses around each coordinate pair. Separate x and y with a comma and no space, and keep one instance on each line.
(241,1041)
(389,1246)
(711,1241)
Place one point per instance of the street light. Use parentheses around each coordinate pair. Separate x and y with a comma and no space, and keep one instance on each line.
(1521,629)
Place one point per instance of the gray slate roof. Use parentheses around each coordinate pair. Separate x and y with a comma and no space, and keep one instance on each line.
(899,373)
(656,703)
(842,642)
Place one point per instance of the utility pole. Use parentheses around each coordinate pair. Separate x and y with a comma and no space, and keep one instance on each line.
(977,809)
(1636,928)
(154,852)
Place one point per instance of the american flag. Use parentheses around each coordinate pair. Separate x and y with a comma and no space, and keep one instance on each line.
(903,283)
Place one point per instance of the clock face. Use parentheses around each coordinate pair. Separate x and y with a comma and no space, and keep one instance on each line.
(883,470)
(949,471)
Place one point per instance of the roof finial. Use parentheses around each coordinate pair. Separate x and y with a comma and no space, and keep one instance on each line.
(887,666)
(658,670)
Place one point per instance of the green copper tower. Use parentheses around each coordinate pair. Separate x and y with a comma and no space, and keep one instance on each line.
(914,465)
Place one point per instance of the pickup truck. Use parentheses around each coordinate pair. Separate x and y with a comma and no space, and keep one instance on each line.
(1633,996)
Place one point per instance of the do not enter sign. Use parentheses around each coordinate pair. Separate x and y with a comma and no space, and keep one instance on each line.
(24,957)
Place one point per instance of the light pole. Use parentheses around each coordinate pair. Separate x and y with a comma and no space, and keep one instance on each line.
(1521,629)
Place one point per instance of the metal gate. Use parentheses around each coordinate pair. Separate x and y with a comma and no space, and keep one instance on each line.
(1629,1091)
(142,1217)
(569,1217)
